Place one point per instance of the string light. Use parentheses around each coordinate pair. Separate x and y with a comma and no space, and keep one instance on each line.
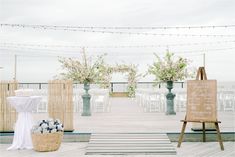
(116,53)
(204,50)
(127,28)
(70,28)
(9,44)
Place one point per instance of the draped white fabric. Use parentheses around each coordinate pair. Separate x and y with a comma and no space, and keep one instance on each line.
(22,131)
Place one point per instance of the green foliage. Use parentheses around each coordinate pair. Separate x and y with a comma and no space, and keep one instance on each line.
(169,68)
(85,71)
(132,76)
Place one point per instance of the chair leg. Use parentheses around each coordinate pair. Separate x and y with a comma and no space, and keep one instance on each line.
(219,136)
(182,134)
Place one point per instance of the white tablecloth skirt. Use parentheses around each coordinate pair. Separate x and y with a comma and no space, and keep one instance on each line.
(22,131)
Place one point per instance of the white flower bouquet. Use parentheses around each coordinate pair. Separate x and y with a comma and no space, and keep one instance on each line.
(83,71)
(170,69)
(47,135)
(48,126)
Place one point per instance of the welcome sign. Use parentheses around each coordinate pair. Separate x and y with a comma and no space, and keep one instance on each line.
(201,100)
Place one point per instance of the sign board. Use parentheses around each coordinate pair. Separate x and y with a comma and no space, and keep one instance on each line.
(201,100)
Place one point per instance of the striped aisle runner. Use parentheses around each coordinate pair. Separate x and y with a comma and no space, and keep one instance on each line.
(129,143)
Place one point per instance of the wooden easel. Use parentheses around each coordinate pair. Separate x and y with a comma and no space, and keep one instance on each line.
(201,74)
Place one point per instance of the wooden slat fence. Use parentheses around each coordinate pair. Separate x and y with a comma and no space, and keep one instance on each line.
(8,114)
(60,102)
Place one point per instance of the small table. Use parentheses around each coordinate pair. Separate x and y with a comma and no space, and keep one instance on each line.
(24,105)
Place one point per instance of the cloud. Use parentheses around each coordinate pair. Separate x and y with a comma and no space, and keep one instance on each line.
(118,13)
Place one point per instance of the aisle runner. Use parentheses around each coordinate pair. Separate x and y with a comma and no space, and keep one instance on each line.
(129,143)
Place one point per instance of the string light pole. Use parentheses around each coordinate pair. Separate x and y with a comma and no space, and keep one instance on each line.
(204,60)
(1,75)
(15,68)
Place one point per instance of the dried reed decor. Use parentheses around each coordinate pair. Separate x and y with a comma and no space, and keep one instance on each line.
(60,102)
(7,112)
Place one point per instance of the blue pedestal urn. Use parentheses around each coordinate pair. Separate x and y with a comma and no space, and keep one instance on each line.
(170,99)
(86,101)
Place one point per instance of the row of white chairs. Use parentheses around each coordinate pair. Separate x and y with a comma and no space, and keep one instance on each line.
(226,100)
(150,100)
(99,100)
(154,100)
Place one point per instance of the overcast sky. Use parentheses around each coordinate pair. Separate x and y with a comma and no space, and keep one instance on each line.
(39,64)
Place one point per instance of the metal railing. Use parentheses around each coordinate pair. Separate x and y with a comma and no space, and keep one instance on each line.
(114,86)
(141,85)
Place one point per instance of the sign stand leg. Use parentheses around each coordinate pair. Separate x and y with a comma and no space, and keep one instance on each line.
(182,134)
(219,136)
(204,132)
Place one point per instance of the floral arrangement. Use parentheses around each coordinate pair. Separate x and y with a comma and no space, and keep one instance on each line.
(133,77)
(48,126)
(131,74)
(84,71)
(169,68)
(105,75)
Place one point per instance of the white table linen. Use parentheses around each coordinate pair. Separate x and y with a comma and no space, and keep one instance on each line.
(22,131)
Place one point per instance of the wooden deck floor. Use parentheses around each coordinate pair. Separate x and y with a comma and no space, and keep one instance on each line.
(126,116)
(188,149)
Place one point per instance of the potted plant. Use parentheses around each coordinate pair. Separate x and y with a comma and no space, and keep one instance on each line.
(84,71)
(169,70)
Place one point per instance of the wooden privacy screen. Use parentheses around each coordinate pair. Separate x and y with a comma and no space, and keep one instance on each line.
(60,102)
(201,100)
(7,112)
